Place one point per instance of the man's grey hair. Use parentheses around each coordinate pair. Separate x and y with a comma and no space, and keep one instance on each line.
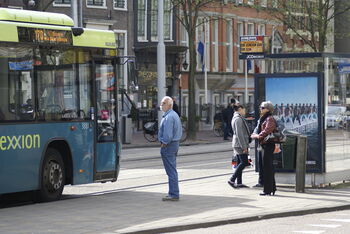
(268,105)
(169,100)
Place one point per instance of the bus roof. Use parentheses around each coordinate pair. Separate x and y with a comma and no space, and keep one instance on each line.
(39,17)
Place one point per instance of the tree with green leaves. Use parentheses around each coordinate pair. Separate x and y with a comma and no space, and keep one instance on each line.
(309,20)
(187,13)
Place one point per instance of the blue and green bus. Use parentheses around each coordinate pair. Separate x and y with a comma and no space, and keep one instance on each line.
(58,104)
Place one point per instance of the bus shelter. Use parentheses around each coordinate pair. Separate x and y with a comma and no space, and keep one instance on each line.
(311,94)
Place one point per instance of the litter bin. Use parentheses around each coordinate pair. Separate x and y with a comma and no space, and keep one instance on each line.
(285,161)
(289,152)
(126,130)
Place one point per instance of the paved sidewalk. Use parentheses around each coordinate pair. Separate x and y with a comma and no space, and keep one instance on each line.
(203,137)
(204,202)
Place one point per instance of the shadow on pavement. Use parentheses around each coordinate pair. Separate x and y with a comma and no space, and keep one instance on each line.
(110,212)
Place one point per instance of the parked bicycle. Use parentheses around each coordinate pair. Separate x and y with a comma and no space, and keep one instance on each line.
(150,131)
(218,128)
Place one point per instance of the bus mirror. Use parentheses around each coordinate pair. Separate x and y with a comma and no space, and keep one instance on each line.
(77,31)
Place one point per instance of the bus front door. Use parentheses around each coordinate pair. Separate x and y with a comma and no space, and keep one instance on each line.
(105,114)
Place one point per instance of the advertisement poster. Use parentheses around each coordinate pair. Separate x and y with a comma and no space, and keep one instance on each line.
(296,109)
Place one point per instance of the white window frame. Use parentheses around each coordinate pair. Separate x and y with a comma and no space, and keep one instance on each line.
(121,9)
(97,7)
(228,98)
(155,38)
(171,24)
(184,42)
(251,31)
(262,29)
(274,3)
(143,38)
(200,36)
(216,99)
(215,45)
(185,102)
(250,2)
(61,4)
(229,49)
(240,65)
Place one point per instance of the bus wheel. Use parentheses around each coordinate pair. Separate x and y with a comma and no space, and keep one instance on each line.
(53,176)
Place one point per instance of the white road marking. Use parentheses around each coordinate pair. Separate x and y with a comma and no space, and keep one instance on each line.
(310,232)
(203,164)
(325,225)
(338,220)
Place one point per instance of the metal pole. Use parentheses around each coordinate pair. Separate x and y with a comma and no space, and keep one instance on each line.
(246,82)
(74,12)
(206,40)
(326,80)
(300,167)
(80,13)
(160,57)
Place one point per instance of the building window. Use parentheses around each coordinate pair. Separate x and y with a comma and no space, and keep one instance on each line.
(167,20)
(200,38)
(122,73)
(250,2)
(240,32)
(141,20)
(274,3)
(61,2)
(96,3)
(263,3)
(261,29)
(184,42)
(229,45)
(154,20)
(250,29)
(120,4)
(215,45)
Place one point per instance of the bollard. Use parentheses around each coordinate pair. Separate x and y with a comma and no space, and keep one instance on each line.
(300,167)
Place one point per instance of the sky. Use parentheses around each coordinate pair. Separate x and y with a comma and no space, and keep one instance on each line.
(291,90)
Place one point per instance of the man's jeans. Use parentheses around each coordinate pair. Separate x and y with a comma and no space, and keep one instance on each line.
(169,154)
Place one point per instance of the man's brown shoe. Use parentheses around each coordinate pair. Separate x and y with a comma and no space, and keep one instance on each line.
(168,198)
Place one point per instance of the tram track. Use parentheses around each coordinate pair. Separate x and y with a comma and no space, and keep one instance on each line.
(152,157)
(155,184)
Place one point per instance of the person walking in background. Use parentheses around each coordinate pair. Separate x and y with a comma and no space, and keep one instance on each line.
(227,115)
(169,135)
(176,107)
(267,125)
(240,145)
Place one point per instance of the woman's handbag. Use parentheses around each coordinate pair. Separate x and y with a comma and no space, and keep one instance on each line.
(277,149)
(277,136)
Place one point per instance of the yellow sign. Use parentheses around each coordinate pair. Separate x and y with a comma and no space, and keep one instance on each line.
(19,142)
(252,44)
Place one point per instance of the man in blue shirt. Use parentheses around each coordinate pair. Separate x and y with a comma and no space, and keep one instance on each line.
(169,135)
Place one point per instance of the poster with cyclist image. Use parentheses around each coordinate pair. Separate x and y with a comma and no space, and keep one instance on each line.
(297,101)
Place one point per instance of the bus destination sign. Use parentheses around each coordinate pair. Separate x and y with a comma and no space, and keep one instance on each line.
(43,35)
(252,44)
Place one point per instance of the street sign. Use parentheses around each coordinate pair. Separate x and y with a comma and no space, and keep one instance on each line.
(344,68)
(251,44)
